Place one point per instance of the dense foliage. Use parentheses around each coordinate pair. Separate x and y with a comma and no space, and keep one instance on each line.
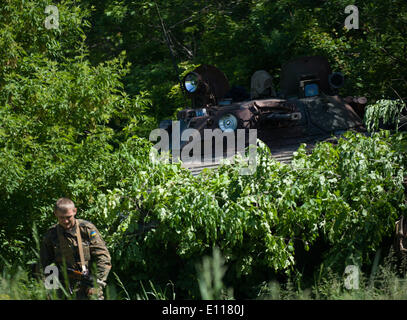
(78,102)
(55,110)
(241,37)
(346,196)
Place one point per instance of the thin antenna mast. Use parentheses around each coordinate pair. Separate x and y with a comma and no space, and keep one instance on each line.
(167,40)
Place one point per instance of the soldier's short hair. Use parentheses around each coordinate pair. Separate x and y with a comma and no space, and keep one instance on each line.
(64,204)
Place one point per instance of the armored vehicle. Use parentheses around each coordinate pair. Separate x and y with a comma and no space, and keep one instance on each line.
(307,108)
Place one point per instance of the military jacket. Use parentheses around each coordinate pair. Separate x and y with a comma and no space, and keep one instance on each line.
(401,235)
(94,248)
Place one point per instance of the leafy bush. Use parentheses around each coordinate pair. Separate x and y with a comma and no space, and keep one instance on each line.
(347,195)
(74,124)
(384,112)
(56,120)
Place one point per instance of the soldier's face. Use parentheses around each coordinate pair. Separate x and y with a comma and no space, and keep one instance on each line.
(66,218)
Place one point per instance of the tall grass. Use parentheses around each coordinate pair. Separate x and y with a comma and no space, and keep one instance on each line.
(156,294)
(210,274)
(387,281)
(16,285)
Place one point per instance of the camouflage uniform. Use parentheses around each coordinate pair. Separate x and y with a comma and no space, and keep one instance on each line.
(94,251)
(400,242)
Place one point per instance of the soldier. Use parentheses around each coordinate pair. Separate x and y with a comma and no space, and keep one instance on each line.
(64,245)
(401,236)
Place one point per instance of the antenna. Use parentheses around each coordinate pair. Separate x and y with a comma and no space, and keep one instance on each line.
(167,40)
